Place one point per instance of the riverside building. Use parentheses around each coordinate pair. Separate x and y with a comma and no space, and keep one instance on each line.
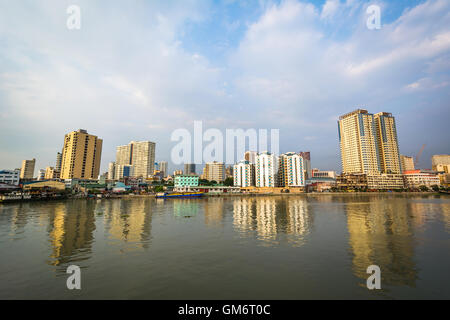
(138,154)
(266,170)
(244,174)
(81,155)
(291,170)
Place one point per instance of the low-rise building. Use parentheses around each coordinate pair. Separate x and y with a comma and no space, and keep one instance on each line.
(385,182)
(316,173)
(45,184)
(186,181)
(419,178)
(10,177)
(352,181)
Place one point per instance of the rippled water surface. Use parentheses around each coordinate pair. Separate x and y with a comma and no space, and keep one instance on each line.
(292,247)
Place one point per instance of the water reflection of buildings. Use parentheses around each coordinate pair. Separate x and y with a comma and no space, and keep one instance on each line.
(381,233)
(185,208)
(71,232)
(128,220)
(271,216)
(299,220)
(213,209)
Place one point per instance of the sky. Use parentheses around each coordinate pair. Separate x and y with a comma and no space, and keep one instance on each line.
(138,70)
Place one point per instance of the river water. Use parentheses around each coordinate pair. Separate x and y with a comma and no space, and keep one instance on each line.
(267,247)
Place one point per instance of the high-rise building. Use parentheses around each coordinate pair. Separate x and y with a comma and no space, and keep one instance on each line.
(266,170)
(58,161)
(244,174)
(111,171)
(250,156)
(389,155)
(441,163)
(27,171)
(123,171)
(214,171)
(189,168)
(81,156)
(407,163)
(163,167)
(51,173)
(140,155)
(291,170)
(359,143)
(41,174)
(307,163)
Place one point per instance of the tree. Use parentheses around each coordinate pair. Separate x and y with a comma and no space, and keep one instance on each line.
(423,188)
(435,188)
(229,182)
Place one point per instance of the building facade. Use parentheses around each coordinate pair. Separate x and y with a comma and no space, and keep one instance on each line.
(111,171)
(58,161)
(27,170)
(316,173)
(189,168)
(10,177)
(123,171)
(214,171)
(418,178)
(183,181)
(51,173)
(250,156)
(441,163)
(389,155)
(407,163)
(140,155)
(307,163)
(244,174)
(266,170)
(81,155)
(291,170)
(163,167)
(358,142)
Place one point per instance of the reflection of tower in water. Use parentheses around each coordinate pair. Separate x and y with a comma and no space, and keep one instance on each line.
(298,220)
(266,224)
(213,209)
(381,234)
(129,221)
(243,211)
(71,232)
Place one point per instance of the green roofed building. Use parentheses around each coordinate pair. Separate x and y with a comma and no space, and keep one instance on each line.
(186,181)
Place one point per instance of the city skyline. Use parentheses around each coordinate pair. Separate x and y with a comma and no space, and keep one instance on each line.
(215,62)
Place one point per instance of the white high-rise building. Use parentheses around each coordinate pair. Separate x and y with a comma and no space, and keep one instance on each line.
(111,171)
(244,174)
(291,170)
(266,170)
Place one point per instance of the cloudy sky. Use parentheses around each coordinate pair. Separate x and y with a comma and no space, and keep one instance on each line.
(137,70)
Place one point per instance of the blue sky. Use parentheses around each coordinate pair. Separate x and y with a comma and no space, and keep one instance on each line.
(138,70)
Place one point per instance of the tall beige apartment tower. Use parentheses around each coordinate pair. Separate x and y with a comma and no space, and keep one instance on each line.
(358,142)
(140,155)
(214,171)
(389,154)
(81,155)
(27,170)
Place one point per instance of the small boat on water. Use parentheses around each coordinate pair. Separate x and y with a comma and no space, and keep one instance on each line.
(166,195)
